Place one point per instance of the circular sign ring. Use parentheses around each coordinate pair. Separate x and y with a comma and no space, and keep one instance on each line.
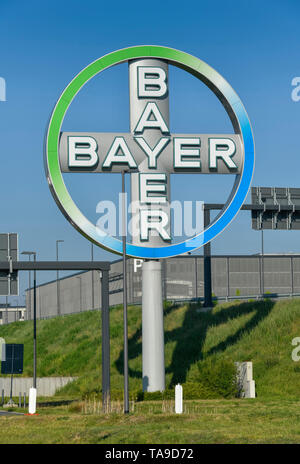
(232,105)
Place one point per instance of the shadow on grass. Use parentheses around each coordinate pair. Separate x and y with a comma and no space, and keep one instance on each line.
(55,403)
(190,336)
(135,348)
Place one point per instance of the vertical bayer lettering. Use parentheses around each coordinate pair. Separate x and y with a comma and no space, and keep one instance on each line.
(150,126)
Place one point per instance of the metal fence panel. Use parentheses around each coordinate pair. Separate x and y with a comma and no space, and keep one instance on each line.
(244,276)
(182,278)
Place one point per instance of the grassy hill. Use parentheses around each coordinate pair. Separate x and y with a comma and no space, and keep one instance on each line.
(261,332)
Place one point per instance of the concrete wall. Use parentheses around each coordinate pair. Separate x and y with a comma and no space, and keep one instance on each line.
(11,314)
(46,386)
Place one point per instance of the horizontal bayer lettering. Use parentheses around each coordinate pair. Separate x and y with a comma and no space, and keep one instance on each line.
(112,152)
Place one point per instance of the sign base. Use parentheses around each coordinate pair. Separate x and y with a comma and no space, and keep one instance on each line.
(153,328)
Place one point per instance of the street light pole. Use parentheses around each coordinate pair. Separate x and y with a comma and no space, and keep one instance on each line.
(29,293)
(34,324)
(57,280)
(126,382)
(262,263)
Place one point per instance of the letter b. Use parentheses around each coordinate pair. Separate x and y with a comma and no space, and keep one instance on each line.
(151,82)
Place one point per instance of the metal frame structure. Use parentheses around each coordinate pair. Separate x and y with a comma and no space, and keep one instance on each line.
(104,267)
(262,208)
(286,216)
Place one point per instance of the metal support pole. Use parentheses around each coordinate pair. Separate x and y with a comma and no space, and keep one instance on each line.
(34,324)
(93,291)
(153,327)
(12,375)
(126,381)
(11,386)
(208,303)
(29,293)
(105,341)
(57,283)
(292,275)
(228,281)
(196,277)
(164,267)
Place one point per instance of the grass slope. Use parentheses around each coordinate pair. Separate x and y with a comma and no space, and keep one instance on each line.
(261,332)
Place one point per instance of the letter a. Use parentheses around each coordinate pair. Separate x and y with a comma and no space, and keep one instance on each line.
(113,156)
(145,122)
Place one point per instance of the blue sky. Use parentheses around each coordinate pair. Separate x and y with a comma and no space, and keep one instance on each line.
(43,45)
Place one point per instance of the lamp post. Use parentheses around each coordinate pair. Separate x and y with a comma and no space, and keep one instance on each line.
(80,292)
(125,323)
(57,279)
(262,263)
(29,253)
(29,287)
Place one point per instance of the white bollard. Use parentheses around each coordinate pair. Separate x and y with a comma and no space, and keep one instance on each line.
(250,389)
(178,399)
(32,400)
(246,383)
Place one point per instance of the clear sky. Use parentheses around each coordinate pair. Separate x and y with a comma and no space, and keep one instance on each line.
(43,45)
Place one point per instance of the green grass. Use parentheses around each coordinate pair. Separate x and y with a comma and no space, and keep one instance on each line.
(261,332)
(209,421)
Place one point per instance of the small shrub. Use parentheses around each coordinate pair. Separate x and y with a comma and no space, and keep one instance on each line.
(191,391)
(218,376)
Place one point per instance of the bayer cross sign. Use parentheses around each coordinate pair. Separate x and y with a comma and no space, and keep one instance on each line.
(153,153)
